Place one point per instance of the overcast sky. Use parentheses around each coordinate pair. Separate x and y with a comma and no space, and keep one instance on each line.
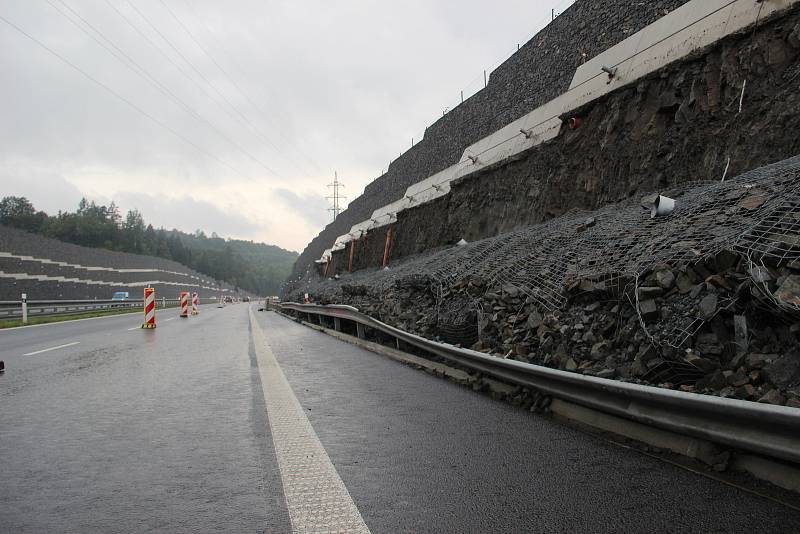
(232,116)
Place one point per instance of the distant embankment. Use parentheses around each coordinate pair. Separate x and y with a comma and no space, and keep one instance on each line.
(49,269)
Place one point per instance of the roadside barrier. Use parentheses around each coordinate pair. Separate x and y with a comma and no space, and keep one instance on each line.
(750,426)
(184,298)
(149,308)
(194,303)
(12,309)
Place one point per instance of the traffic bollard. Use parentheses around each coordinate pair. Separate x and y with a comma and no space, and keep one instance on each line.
(149,308)
(184,298)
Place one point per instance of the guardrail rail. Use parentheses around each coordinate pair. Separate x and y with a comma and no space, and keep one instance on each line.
(13,309)
(764,429)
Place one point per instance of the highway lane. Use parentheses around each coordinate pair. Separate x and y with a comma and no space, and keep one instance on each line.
(23,349)
(137,431)
(420,454)
(35,337)
(168,430)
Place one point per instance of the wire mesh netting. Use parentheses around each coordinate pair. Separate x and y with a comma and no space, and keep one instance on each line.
(754,217)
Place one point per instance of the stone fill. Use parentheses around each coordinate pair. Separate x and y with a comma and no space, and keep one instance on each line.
(705,299)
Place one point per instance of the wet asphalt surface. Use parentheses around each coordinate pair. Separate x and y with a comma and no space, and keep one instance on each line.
(166,431)
(136,431)
(420,454)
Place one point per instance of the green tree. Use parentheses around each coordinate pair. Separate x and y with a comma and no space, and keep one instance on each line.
(133,233)
(257,267)
(20,213)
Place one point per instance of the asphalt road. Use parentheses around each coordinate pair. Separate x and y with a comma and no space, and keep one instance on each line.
(136,430)
(168,430)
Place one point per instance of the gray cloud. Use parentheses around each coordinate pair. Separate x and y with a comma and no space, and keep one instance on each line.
(48,190)
(186,214)
(311,207)
(307,88)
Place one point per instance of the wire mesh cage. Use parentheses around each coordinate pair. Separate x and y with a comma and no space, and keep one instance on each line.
(747,227)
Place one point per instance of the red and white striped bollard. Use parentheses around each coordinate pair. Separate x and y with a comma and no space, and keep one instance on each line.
(194,303)
(184,297)
(149,308)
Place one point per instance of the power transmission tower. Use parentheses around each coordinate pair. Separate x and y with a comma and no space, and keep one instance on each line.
(336,208)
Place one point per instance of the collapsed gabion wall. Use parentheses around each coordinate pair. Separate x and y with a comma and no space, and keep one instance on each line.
(623,253)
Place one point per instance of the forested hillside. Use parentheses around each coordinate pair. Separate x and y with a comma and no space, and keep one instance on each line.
(255,267)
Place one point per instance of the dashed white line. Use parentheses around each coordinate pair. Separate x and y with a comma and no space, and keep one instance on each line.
(52,348)
(316,497)
(135,328)
(170,319)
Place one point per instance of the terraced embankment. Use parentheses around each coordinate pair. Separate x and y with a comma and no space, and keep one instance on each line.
(47,269)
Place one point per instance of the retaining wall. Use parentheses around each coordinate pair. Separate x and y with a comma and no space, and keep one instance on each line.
(542,69)
(677,125)
(50,269)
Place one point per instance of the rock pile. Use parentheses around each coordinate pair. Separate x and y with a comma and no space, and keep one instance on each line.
(705,300)
(703,328)
(720,325)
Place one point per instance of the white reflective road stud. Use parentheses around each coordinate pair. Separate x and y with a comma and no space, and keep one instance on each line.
(316,497)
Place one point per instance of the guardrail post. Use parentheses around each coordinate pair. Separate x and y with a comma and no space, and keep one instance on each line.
(24,308)
(360,331)
(337,324)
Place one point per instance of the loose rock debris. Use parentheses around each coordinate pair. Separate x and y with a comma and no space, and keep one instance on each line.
(704,300)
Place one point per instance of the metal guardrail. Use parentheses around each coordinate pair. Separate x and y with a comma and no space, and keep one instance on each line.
(12,309)
(760,428)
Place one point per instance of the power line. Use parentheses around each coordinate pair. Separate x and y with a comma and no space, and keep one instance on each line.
(241,117)
(255,106)
(158,49)
(120,97)
(166,56)
(252,126)
(135,67)
(185,60)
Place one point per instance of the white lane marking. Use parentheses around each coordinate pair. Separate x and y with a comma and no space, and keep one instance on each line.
(170,319)
(52,348)
(316,497)
(135,328)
